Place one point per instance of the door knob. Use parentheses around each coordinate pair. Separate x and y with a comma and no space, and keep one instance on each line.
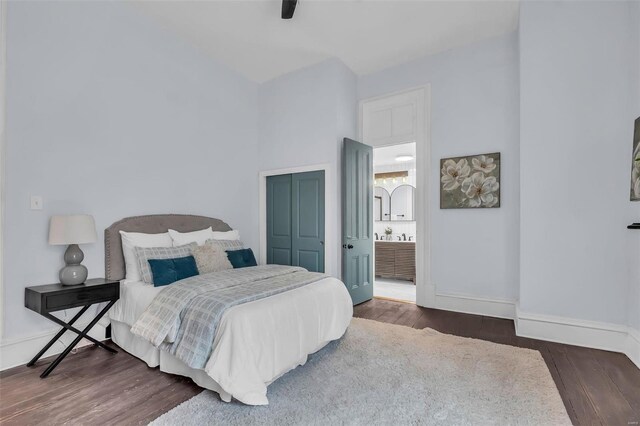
(350,246)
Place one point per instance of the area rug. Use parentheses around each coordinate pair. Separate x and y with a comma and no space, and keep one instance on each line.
(389,374)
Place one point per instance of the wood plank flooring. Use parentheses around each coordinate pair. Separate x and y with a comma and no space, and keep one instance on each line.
(96,387)
(92,387)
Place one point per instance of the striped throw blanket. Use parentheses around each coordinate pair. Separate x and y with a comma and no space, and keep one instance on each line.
(184,317)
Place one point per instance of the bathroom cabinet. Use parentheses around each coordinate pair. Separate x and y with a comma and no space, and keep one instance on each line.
(396,260)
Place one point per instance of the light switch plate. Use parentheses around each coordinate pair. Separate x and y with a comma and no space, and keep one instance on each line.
(36,202)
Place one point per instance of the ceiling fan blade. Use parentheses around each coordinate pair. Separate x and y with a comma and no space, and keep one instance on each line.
(288,7)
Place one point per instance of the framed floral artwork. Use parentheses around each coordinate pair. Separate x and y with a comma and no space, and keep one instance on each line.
(635,163)
(470,182)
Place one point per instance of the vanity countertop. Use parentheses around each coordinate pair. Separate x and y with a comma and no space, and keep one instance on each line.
(394,242)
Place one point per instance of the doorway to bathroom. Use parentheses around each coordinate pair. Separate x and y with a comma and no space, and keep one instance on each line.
(394,223)
(396,126)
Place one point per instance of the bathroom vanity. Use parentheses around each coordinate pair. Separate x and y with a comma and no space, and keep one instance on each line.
(396,259)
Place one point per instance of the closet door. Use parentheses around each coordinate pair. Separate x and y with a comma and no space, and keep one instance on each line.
(307,243)
(279,223)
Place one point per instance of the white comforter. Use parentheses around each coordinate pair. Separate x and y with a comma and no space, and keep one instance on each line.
(259,341)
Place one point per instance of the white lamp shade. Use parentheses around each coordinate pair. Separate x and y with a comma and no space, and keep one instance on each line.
(72,229)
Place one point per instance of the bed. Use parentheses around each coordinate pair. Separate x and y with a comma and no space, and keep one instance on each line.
(255,342)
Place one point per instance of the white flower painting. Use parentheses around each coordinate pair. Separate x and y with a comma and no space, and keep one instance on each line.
(635,164)
(483,163)
(453,174)
(470,182)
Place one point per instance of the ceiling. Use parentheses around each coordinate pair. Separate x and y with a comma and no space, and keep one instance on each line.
(367,35)
(386,155)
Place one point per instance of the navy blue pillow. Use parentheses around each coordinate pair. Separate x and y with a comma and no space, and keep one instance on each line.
(242,258)
(167,271)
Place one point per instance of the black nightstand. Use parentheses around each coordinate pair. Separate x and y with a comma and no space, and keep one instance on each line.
(45,299)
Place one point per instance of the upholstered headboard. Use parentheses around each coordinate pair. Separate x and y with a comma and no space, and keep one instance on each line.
(151,224)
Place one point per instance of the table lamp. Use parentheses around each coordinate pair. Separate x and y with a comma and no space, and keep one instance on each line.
(72,230)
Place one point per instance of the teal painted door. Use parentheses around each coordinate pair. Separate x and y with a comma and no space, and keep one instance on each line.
(307,243)
(279,223)
(357,220)
(295,220)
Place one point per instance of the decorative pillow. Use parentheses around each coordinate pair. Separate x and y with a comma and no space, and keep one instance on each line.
(227,244)
(210,257)
(167,271)
(131,240)
(242,258)
(146,253)
(228,235)
(199,237)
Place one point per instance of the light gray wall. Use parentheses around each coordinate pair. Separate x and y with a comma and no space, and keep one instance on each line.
(633,237)
(579,84)
(474,110)
(110,115)
(303,117)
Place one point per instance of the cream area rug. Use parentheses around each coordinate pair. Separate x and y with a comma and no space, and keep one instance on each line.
(389,374)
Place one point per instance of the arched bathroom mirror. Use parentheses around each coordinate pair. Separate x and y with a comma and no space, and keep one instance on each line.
(403,203)
(381,204)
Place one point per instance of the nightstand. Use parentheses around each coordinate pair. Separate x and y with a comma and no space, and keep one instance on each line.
(45,299)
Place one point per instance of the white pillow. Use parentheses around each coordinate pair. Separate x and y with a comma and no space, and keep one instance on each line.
(130,240)
(233,235)
(184,238)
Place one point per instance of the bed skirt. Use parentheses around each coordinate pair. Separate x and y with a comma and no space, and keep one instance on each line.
(154,357)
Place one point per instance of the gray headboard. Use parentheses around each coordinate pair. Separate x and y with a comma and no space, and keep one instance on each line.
(151,224)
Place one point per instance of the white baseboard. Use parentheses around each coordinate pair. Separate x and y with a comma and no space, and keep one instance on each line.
(591,334)
(476,305)
(632,349)
(15,352)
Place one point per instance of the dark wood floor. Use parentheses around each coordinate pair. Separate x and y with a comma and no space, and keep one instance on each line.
(95,387)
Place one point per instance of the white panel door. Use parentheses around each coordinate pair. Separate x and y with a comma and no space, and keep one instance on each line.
(402,118)
(391,120)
